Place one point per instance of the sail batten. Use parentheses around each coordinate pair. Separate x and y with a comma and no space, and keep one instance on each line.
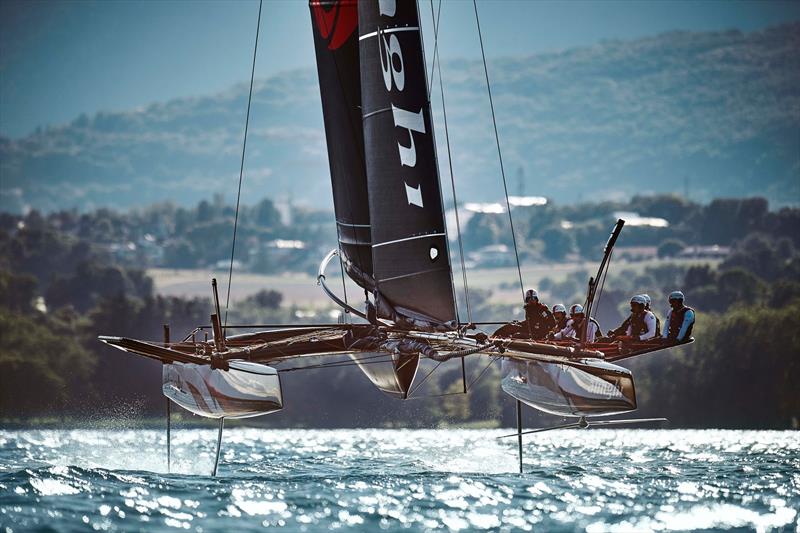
(385,243)
(387,31)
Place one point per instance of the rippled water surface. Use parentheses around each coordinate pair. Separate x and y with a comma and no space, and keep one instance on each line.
(319,480)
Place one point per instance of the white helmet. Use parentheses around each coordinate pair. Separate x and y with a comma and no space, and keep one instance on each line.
(676,295)
(647,300)
(639,299)
(530,295)
(575,309)
(559,308)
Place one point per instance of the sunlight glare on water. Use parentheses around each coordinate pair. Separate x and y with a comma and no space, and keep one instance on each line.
(315,480)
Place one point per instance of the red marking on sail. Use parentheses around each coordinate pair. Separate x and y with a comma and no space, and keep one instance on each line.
(337,23)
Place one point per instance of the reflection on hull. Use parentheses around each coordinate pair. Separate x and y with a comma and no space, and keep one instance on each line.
(392,373)
(246,390)
(585,387)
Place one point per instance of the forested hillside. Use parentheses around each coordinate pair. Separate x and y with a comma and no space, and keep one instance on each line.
(707,112)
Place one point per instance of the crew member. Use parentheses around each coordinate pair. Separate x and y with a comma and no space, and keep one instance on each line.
(575,325)
(647,303)
(539,320)
(680,320)
(560,315)
(639,326)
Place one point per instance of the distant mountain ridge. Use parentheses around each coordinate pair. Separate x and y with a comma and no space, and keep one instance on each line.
(717,111)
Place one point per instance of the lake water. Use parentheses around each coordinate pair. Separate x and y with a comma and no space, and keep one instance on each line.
(393,480)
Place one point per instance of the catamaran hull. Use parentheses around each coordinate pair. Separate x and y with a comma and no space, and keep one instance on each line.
(578,388)
(243,391)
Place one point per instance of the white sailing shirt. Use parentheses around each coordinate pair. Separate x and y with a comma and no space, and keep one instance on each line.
(570,331)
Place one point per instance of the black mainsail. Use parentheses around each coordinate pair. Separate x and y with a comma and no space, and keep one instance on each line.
(382,156)
(411,263)
(335,28)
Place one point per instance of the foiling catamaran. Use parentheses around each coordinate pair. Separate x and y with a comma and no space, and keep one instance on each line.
(393,244)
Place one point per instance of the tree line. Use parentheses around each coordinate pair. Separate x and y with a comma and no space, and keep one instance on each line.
(293,238)
(552,232)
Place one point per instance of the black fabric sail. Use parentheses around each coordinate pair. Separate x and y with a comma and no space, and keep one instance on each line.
(335,28)
(411,264)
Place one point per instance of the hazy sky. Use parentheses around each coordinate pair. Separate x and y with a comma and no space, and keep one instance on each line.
(59,59)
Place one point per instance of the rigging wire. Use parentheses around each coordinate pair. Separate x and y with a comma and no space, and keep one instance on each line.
(479,376)
(499,154)
(436,22)
(381,358)
(428,84)
(241,167)
(472,382)
(415,389)
(334,364)
(385,357)
(370,359)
